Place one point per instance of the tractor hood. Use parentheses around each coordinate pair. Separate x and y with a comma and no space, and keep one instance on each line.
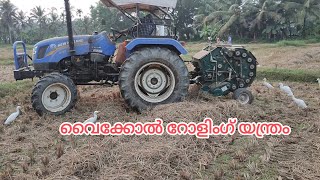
(50,46)
(59,42)
(55,49)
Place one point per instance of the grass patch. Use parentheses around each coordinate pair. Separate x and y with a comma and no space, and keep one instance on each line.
(312,41)
(193,48)
(10,89)
(269,173)
(224,158)
(296,75)
(6,52)
(6,62)
(296,43)
(11,45)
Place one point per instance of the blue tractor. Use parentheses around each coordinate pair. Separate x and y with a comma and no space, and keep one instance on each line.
(147,66)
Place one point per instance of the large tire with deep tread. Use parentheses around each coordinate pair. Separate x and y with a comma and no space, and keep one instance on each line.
(51,81)
(161,57)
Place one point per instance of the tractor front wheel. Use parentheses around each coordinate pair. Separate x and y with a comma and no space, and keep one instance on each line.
(54,94)
(153,76)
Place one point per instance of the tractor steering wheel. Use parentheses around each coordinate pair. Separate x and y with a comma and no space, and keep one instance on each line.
(118,34)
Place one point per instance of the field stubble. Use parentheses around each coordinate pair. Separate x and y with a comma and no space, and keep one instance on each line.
(33,148)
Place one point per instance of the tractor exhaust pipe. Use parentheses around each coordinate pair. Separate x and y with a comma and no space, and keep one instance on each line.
(69,26)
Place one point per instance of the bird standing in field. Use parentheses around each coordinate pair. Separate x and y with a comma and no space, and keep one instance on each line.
(266,84)
(300,103)
(13,116)
(92,119)
(318,81)
(286,89)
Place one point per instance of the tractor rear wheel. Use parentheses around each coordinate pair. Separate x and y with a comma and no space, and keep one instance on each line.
(54,94)
(153,76)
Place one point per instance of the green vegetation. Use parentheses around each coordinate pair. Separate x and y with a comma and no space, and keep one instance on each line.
(296,43)
(6,53)
(10,89)
(269,172)
(297,75)
(6,62)
(244,20)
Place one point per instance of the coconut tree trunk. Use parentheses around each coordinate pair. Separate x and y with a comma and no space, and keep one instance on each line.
(226,26)
(10,35)
(304,24)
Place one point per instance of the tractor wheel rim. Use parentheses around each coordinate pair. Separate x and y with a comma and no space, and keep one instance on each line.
(56,97)
(154,82)
(244,98)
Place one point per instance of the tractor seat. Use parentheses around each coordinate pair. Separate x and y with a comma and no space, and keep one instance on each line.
(146,28)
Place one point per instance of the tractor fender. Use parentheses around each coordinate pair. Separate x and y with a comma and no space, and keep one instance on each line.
(166,42)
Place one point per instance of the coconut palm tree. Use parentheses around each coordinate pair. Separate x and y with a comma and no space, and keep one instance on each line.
(265,17)
(223,15)
(53,22)
(79,13)
(86,24)
(39,15)
(8,15)
(306,12)
(21,23)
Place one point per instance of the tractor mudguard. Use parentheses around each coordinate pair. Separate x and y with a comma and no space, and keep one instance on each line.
(138,42)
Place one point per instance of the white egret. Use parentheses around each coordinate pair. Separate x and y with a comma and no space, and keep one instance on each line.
(266,84)
(92,119)
(286,89)
(13,116)
(300,103)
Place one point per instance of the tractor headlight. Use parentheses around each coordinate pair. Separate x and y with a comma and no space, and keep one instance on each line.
(34,52)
